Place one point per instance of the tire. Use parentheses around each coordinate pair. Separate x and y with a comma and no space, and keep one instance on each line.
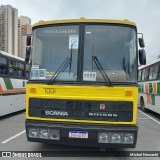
(142,105)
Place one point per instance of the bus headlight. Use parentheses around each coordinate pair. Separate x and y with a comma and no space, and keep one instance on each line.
(54,134)
(103,137)
(44,133)
(33,132)
(128,138)
(116,137)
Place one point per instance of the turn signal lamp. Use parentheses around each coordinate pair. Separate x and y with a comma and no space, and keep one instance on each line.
(33,90)
(128,93)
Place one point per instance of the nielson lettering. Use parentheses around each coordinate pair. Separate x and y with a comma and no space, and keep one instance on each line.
(56,113)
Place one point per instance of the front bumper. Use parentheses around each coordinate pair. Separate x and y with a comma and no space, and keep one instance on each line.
(92,131)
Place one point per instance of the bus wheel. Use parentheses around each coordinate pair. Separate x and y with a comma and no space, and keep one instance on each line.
(142,105)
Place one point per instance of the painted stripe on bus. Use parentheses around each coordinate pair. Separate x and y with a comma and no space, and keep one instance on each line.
(13,90)
(1,89)
(150,89)
(11,85)
(8,83)
(9,94)
(158,87)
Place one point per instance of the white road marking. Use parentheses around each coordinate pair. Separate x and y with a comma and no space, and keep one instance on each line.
(150,117)
(13,137)
(143,118)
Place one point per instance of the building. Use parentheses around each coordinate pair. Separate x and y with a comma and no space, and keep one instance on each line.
(24,29)
(9,29)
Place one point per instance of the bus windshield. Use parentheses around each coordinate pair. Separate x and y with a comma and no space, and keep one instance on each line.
(51,49)
(114,46)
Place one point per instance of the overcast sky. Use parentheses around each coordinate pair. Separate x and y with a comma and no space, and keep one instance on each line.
(145,13)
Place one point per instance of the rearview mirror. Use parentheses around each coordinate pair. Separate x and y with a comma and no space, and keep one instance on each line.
(142,57)
(28,52)
(28,40)
(141,42)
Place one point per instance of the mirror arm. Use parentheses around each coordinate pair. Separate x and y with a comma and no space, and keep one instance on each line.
(141,34)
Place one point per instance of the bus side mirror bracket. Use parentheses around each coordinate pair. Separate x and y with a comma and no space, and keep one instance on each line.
(142,57)
(141,41)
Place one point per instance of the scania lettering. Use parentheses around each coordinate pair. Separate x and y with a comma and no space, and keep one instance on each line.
(57,113)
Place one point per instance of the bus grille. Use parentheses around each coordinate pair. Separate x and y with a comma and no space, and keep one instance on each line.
(114,111)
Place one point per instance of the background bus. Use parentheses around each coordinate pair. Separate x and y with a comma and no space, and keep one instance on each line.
(149,87)
(13,76)
(82,88)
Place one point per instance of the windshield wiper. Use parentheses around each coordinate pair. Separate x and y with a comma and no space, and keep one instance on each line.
(104,74)
(67,62)
(61,69)
(70,64)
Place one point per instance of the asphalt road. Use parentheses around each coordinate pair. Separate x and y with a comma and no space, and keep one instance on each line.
(13,138)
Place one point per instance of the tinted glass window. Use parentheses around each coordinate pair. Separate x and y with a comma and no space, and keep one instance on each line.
(145,72)
(16,68)
(153,72)
(3,65)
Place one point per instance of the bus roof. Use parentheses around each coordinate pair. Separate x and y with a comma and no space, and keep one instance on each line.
(10,55)
(82,20)
(144,66)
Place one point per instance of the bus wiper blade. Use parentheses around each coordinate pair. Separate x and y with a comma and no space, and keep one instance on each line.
(104,74)
(61,69)
(70,60)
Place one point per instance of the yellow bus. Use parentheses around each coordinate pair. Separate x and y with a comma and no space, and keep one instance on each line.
(82,88)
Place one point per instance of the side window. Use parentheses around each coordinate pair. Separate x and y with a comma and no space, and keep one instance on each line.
(16,68)
(145,72)
(153,73)
(12,68)
(21,72)
(139,75)
(3,65)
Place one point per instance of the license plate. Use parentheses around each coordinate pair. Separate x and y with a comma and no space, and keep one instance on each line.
(78,134)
